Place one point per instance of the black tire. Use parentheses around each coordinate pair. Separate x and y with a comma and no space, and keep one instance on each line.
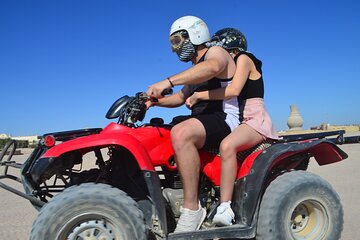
(90,210)
(9,148)
(300,205)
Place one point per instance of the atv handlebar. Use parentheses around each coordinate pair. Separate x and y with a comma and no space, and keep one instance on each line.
(129,110)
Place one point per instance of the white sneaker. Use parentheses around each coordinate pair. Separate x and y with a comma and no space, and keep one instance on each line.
(224,215)
(190,220)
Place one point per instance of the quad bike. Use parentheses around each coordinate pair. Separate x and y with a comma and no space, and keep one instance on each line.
(121,182)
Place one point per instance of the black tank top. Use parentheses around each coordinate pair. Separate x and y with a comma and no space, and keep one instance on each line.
(208,106)
(252,88)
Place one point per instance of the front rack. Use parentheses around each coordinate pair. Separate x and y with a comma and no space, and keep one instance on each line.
(68,135)
(6,162)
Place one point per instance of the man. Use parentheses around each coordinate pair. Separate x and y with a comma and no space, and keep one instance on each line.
(210,121)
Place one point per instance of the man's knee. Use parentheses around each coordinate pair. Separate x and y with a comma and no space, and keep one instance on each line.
(179,135)
(189,132)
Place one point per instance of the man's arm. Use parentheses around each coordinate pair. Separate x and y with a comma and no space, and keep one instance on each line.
(175,100)
(214,64)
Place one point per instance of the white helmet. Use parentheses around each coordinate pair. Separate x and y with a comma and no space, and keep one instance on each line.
(194,26)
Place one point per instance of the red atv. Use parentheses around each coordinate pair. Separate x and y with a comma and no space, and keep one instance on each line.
(121,182)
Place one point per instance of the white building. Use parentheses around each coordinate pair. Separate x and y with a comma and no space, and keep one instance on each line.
(4,136)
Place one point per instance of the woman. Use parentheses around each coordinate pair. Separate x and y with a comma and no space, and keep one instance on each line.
(247,87)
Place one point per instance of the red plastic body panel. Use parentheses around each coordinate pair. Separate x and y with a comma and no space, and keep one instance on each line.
(324,153)
(247,164)
(151,146)
(211,166)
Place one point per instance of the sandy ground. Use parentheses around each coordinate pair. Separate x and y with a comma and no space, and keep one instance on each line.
(17,214)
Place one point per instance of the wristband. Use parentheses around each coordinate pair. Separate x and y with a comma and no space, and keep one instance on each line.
(172,85)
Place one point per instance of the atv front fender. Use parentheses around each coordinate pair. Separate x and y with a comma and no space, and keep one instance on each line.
(101,140)
(44,168)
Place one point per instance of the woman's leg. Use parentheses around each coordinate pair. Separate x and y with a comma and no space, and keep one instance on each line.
(242,138)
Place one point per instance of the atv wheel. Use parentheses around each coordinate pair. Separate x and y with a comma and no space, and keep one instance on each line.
(300,205)
(89,211)
(9,149)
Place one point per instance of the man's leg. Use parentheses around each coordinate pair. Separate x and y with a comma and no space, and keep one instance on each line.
(187,137)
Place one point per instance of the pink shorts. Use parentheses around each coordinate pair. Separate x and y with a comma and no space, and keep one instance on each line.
(256,116)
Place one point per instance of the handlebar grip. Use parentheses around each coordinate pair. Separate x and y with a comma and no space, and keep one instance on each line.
(167,91)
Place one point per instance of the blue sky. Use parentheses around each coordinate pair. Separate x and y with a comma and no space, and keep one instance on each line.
(63,63)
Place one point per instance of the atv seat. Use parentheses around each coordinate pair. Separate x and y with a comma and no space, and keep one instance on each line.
(242,155)
(261,146)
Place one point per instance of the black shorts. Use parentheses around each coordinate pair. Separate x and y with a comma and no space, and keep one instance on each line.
(215,127)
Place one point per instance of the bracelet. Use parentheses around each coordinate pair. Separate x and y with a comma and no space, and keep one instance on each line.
(172,85)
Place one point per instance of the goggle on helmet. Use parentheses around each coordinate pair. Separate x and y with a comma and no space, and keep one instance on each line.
(177,40)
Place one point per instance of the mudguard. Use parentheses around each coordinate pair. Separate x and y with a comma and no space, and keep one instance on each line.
(324,152)
(256,168)
(150,146)
(105,138)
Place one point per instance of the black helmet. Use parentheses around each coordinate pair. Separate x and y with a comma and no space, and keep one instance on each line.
(230,39)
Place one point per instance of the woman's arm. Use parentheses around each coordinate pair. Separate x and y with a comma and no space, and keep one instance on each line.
(243,69)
